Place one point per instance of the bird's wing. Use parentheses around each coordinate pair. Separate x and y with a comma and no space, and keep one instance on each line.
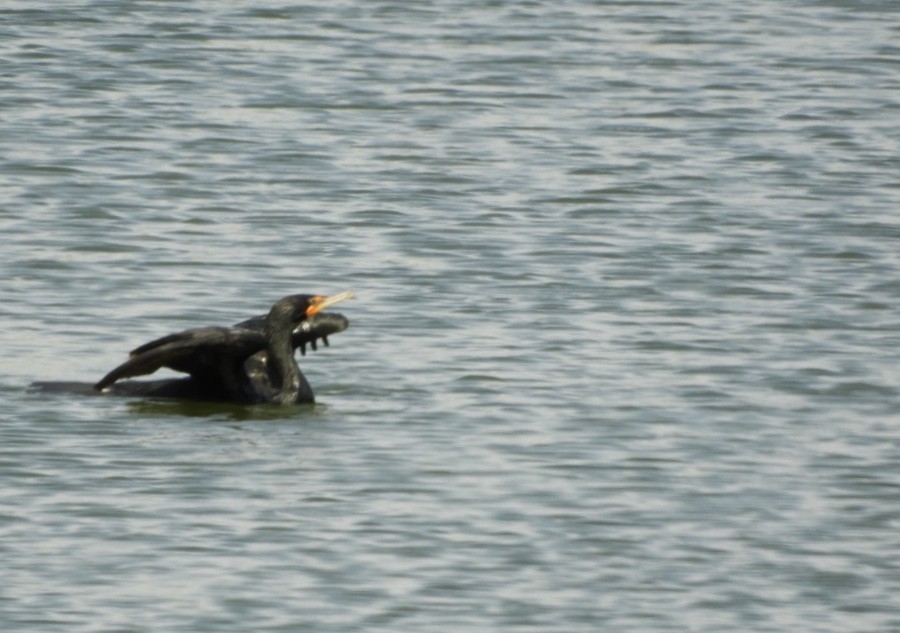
(208,351)
(319,326)
(308,332)
(199,352)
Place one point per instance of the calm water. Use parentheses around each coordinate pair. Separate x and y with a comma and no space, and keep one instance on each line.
(624,356)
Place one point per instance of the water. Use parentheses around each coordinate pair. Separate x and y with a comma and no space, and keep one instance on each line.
(623,358)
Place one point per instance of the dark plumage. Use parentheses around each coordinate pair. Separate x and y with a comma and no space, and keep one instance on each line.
(251,362)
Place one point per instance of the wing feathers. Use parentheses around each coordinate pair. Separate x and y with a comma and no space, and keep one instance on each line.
(198,352)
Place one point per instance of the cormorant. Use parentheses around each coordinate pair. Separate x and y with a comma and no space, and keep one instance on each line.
(252,362)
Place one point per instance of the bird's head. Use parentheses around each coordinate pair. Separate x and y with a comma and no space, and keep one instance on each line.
(294,309)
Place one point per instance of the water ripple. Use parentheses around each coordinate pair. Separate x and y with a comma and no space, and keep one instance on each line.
(624,349)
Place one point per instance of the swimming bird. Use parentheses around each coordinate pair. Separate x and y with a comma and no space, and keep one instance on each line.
(252,362)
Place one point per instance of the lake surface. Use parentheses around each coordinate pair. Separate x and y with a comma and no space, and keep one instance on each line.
(625,350)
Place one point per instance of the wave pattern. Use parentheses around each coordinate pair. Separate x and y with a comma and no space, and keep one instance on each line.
(625,350)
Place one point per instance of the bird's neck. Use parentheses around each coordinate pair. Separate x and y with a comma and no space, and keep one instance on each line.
(286,377)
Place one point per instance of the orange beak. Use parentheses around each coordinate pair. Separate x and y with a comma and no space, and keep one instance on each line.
(319,303)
